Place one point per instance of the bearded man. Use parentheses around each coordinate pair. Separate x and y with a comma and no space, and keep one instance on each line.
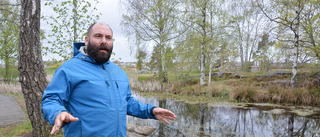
(90,96)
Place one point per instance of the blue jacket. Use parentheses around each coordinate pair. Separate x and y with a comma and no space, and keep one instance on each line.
(99,95)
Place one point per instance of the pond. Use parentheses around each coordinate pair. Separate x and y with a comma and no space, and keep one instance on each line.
(232,119)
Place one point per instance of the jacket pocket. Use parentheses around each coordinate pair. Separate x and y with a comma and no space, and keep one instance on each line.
(123,90)
(73,129)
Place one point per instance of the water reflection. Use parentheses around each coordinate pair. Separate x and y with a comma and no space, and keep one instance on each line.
(194,119)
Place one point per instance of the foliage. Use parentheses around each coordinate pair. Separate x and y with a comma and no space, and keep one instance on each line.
(289,16)
(221,34)
(141,55)
(9,34)
(152,22)
(69,24)
(310,27)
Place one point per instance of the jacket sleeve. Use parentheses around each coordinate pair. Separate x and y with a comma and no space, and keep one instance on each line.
(55,96)
(138,109)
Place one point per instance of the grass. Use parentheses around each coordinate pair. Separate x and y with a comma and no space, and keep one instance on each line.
(145,77)
(12,74)
(19,129)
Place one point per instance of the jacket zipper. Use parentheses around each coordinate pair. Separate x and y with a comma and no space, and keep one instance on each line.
(116,102)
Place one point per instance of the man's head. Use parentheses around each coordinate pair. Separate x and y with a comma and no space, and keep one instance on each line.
(99,42)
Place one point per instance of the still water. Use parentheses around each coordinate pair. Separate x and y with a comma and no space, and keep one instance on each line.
(230,119)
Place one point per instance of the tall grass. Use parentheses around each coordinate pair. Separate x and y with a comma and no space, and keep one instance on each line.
(243,90)
(276,94)
(144,85)
(7,87)
(15,87)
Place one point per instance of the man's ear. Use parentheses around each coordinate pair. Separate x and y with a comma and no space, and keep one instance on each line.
(86,40)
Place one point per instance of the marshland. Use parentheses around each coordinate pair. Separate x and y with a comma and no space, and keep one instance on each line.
(229,106)
(226,68)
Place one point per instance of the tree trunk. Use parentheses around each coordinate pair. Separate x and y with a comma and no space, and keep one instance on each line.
(241,48)
(210,67)
(290,125)
(203,45)
(202,66)
(31,70)
(7,62)
(295,50)
(202,119)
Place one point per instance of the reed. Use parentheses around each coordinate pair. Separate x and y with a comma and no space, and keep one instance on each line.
(276,94)
(10,87)
(144,86)
(242,93)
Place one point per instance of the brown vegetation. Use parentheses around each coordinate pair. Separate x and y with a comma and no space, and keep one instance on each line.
(242,90)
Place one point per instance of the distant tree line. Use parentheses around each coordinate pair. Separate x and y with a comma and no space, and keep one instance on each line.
(188,35)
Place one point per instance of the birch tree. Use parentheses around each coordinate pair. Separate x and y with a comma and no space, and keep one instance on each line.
(198,10)
(248,26)
(287,14)
(31,70)
(153,22)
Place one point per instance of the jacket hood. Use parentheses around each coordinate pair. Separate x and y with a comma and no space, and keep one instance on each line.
(76,48)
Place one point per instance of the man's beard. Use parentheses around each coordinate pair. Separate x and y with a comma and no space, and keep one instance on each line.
(98,56)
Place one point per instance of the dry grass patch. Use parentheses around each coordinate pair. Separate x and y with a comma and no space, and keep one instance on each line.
(10,87)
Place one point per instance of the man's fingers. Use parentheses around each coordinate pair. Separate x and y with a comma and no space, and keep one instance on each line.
(73,119)
(54,129)
(68,118)
(170,117)
(61,118)
(165,121)
(164,114)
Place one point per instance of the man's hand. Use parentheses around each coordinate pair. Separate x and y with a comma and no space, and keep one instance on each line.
(163,114)
(63,117)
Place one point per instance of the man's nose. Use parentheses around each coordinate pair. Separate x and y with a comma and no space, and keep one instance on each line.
(104,40)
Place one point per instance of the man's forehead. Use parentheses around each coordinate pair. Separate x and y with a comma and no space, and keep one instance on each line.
(101,28)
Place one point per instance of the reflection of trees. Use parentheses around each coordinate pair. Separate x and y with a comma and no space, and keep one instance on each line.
(162,104)
(303,128)
(202,114)
(290,125)
(203,120)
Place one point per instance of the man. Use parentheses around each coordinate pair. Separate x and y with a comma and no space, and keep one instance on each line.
(90,96)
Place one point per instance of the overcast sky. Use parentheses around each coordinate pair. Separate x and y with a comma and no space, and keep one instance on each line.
(111,15)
